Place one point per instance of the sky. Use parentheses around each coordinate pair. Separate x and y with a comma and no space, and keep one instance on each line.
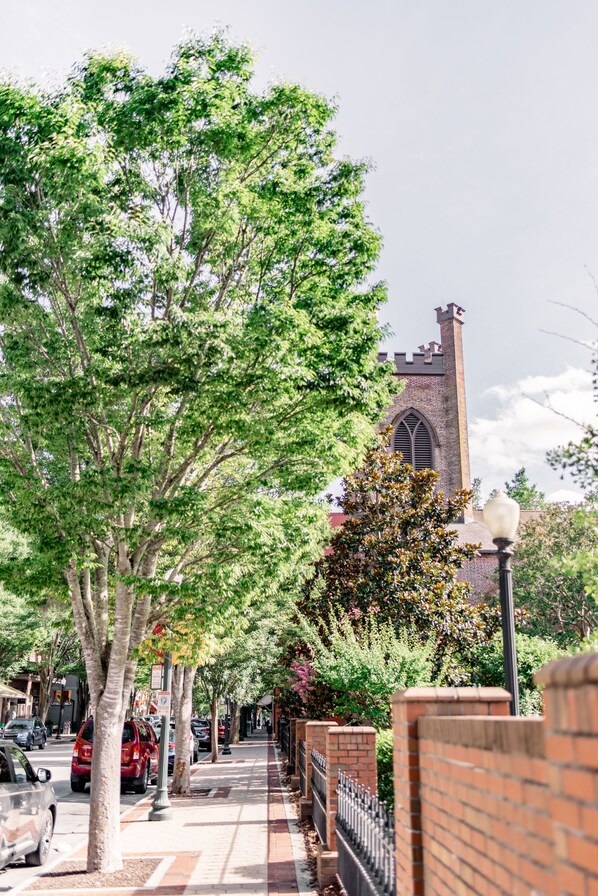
(479,120)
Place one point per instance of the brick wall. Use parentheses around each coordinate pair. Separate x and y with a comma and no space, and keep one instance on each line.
(571,707)
(315,738)
(485,816)
(407,708)
(491,805)
(352,750)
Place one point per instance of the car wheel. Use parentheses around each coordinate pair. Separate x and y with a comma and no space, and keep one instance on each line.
(42,852)
(42,745)
(140,783)
(77,786)
(29,744)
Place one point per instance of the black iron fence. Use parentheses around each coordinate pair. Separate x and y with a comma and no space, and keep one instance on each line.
(284,737)
(318,794)
(365,841)
(302,768)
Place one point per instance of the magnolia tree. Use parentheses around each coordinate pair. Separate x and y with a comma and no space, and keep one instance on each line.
(182,321)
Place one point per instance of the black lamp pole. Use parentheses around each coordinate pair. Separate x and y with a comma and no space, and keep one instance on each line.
(62,684)
(504,554)
(161,808)
(226,744)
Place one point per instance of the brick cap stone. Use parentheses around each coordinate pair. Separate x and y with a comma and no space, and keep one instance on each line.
(569,672)
(313,723)
(354,729)
(509,734)
(452,695)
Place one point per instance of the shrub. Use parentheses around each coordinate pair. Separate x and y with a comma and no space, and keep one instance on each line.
(384,745)
(533,652)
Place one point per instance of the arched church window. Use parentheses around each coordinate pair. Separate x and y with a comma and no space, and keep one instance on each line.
(413,438)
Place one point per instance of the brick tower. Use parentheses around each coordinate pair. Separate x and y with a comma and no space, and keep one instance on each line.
(429,417)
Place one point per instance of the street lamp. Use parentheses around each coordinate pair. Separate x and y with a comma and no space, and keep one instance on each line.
(501,515)
(62,684)
(226,745)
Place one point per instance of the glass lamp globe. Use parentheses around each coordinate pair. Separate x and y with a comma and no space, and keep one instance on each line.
(501,515)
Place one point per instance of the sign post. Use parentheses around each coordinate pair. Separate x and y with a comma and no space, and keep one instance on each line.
(157,677)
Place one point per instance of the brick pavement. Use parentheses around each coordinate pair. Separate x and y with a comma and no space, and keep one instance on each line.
(231,838)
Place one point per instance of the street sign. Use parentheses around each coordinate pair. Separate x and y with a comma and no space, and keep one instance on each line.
(156,676)
(163,703)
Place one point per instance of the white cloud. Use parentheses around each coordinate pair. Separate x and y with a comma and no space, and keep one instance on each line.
(532,416)
(564,496)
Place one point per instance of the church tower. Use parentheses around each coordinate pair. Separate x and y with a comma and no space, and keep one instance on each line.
(429,417)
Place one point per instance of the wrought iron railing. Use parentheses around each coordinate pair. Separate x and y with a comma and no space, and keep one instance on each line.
(283,735)
(318,794)
(365,841)
(302,768)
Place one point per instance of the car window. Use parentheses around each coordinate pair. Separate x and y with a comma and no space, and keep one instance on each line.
(143,732)
(23,771)
(5,777)
(19,725)
(87,733)
(128,733)
(37,724)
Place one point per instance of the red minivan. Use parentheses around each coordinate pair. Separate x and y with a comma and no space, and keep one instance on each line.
(139,757)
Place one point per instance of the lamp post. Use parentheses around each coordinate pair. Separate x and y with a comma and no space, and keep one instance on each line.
(226,744)
(62,684)
(501,515)
(161,809)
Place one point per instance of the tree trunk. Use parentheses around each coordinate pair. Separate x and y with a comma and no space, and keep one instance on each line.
(234,722)
(46,677)
(214,712)
(182,699)
(103,851)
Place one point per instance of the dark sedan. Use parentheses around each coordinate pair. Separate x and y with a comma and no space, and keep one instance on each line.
(27,809)
(26,733)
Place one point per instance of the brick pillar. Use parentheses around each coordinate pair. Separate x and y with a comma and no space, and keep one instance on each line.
(571,731)
(277,712)
(315,738)
(407,707)
(299,736)
(456,451)
(291,769)
(351,750)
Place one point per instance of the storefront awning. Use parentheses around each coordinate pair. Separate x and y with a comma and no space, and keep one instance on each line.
(266,700)
(10,693)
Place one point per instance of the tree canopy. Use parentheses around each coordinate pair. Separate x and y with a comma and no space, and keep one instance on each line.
(184,322)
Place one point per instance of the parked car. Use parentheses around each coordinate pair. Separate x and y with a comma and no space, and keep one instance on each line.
(202,728)
(139,756)
(27,808)
(203,732)
(193,749)
(26,733)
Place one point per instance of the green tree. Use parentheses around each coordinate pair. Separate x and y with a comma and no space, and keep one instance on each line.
(184,321)
(397,557)
(546,583)
(526,493)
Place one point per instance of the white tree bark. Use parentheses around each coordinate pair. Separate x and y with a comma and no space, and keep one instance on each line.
(182,697)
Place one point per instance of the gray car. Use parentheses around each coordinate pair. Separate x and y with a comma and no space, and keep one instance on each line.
(26,733)
(27,808)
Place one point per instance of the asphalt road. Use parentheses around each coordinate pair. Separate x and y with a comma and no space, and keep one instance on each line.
(73,811)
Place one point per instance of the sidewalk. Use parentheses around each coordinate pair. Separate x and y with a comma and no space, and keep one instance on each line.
(234,836)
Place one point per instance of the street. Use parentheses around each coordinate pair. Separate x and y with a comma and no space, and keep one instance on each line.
(73,810)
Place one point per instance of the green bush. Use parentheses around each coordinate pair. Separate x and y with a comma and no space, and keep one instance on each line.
(384,743)
(365,663)
(533,652)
